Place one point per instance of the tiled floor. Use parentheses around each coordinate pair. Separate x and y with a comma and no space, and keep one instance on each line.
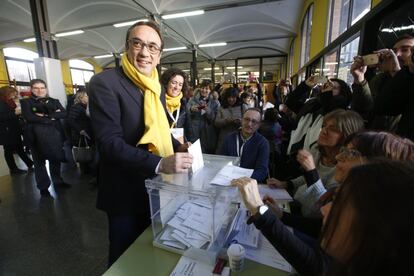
(63,235)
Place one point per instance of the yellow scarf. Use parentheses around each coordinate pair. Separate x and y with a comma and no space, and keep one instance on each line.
(157,132)
(173,103)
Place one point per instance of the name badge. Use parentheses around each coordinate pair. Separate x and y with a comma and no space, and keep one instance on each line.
(178,134)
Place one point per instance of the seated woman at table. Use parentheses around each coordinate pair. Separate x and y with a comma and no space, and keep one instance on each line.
(359,148)
(362,234)
(320,160)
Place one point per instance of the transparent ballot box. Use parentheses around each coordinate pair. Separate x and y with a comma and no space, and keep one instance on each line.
(188,212)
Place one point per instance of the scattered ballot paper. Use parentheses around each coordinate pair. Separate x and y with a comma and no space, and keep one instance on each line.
(191,226)
(190,267)
(278,194)
(195,151)
(230,172)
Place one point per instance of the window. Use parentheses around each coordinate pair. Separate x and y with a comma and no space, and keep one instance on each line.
(291,53)
(337,63)
(306,30)
(345,13)
(19,62)
(330,65)
(301,76)
(81,71)
(272,68)
(248,69)
(348,51)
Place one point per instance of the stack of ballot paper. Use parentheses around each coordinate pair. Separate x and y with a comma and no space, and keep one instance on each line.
(230,172)
(191,226)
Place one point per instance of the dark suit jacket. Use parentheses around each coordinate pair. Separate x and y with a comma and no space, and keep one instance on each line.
(117,114)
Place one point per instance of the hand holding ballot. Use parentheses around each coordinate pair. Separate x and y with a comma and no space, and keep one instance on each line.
(249,192)
(179,162)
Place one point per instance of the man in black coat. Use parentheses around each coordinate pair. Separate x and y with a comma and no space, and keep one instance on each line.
(45,135)
(118,119)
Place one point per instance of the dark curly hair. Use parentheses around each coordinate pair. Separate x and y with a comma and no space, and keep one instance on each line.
(171,73)
(230,92)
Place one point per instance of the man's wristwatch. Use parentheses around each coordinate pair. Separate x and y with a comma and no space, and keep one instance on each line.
(260,212)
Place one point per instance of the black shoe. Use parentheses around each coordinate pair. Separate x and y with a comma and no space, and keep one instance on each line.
(17,171)
(45,193)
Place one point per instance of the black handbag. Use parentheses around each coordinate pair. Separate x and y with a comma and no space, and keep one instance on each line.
(83,154)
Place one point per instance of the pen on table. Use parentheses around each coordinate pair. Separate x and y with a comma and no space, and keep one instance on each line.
(218,268)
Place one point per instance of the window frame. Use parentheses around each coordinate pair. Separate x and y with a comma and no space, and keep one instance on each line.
(6,58)
(307,18)
(82,70)
(349,24)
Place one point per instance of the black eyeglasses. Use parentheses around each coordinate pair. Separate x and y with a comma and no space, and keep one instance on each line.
(139,44)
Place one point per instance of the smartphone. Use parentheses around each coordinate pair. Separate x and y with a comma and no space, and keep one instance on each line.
(321,79)
(372,59)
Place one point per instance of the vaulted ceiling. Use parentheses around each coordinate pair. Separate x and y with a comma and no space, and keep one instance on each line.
(250,27)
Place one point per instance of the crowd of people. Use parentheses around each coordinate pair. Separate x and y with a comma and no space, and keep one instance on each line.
(341,151)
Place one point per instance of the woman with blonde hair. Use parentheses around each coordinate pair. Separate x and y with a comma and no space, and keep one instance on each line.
(319,163)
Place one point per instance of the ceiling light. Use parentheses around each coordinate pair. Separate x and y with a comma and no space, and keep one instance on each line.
(209,68)
(182,14)
(331,63)
(233,67)
(186,70)
(104,56)
(70,33)
(174,49)
(213,44)
(32,39)
(129,23)
(397,29)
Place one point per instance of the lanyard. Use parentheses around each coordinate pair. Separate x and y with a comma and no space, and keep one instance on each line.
(175,120)
(238,148)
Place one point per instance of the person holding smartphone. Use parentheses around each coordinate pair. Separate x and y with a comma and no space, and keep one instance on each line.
(390,62)
(397,98)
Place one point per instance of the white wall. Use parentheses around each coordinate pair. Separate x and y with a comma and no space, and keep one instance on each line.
(4,170)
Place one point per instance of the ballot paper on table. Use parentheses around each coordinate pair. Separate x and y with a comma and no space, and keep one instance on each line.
(278,194)
(266,254)
(195,151)
(230,172)
(247,234)
(190,267)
